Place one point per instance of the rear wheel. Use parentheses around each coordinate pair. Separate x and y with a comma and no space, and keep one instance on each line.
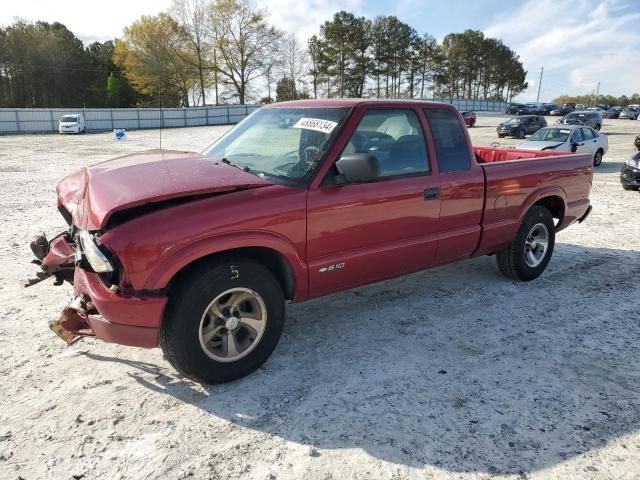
(223,320)
(597,158)
(529,253)
(522,133)
(598,127)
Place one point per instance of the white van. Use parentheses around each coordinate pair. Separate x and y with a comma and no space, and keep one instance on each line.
(71,123)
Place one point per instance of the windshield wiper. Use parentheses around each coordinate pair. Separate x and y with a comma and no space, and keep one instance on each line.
(244,168)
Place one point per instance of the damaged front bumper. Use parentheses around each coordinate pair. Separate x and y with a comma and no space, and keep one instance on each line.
(97,309)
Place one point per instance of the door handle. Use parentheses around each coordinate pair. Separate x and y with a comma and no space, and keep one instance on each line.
(431,193)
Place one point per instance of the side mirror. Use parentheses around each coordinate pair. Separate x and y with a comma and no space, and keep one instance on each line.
(574,147)
(358,167)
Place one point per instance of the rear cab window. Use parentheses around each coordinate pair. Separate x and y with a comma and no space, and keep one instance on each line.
(449,140)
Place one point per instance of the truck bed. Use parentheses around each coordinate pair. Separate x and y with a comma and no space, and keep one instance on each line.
(492,155)
(516,179)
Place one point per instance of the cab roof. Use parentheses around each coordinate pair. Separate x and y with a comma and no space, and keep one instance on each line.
(352,102)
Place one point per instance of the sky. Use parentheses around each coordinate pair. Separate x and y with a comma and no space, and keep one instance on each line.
(580,43)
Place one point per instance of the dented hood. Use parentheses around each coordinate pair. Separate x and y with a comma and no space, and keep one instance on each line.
(95,193)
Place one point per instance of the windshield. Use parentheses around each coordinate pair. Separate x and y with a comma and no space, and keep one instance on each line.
(512,121)
(69,119)
(575,116)
(281,143)
(559,135)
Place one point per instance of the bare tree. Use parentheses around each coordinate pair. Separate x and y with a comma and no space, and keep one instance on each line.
(244,42)
(294,62)
(192,17)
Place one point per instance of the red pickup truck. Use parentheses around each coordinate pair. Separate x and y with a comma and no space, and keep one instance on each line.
(198,253)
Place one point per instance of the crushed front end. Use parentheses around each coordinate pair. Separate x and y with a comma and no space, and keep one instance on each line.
(102,307)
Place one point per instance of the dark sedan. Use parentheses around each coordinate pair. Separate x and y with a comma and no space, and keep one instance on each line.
(630,174)
(514,108)
(613,112)
(561,111)
(591,119)
(521,126)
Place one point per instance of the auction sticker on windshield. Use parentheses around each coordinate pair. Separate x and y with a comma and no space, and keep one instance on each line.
(317,124)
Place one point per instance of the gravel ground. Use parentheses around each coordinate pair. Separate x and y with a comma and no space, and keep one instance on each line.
(452,373)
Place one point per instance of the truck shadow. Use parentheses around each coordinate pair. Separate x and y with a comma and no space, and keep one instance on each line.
(608,167)
(456,367)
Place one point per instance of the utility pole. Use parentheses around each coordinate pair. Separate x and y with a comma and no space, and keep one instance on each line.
(596,98)
(539,84)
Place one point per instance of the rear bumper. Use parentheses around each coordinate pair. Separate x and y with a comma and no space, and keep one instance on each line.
(585,215)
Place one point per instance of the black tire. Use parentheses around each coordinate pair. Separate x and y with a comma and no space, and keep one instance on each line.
(597,158)
(500,136)
(598,127)
(522,133)
(629,187)
(192,296)
(511,261)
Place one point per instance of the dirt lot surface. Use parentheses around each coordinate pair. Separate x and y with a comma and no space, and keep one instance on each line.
(451,373)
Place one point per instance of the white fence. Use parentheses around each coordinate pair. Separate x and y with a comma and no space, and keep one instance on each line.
(38,120)
(466,105)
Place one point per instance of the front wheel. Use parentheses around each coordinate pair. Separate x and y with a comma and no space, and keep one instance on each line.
(529,253)
(597,158)
(522,133)
(223,320)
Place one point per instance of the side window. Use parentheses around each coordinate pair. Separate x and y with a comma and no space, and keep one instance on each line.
(587,133)
(394,138)
(450,140)
(577,136)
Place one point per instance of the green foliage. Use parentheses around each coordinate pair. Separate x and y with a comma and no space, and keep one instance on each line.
(474,66)
(621,101)
(44,65)
(285,89)
(119,93)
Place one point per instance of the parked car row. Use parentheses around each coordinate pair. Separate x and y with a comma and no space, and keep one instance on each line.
(631,112)
(535,108)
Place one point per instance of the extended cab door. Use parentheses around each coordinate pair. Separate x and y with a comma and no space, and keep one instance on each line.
(461,185)
(361,233)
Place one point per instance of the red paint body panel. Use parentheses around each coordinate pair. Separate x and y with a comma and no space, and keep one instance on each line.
(147,177)
(332,237)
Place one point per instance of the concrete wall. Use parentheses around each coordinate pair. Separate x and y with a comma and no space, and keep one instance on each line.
(38,120)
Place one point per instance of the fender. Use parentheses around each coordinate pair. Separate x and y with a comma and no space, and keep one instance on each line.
(496,235)
(175,261)
(536,195)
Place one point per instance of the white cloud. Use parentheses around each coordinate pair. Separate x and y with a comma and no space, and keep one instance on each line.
(97,20)
(89,19)
(579,43)
(304,17)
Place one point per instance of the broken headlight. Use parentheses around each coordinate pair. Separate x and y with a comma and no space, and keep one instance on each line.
(95,256)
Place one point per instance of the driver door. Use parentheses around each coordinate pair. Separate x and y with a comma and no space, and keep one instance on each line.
(365,232)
